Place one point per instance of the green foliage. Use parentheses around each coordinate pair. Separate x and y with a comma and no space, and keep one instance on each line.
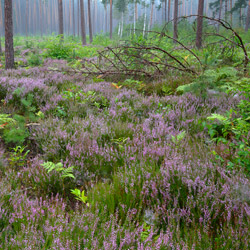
(34,60)
(58,167)
(218,80)
(58,49)
(176,139)
(146,231)
(80,195)
(5,120)
(231,130)
(16,132)
(17,158)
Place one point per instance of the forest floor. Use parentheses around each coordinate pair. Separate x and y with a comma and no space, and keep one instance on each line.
(119,162)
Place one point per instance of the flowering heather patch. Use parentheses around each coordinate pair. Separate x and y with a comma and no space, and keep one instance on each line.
(145,163)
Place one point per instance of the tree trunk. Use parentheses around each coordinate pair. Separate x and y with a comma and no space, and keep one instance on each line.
(70,17)
(8,23)
(145,19)
(26,17)
(60,15)
(169,8)
(165,5)
(110,21)
(90,23)
(106,18)
(74,20)
(134,19)
(122,25)
(248,17)
(175,19)
(1,23)
(78,18)
(220,10)
(151,16)
(231,14)
(225,10)
(199,24)
(83,29)
(136,11)
(41,17)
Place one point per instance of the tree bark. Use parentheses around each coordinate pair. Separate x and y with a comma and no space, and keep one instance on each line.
(74,20)
(90,23)
(60,15)
(83,29)
(111,20)
(151,16)
(248,17)
(26,17)
(106,17)
(199,24)
(8,23)
(41,17)
(231,14)
(136,11)
(169,8)
(175,20)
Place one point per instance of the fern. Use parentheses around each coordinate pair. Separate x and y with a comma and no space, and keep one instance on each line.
(6,120)
(176,139)
(219,117)
(80,195)
(64,172)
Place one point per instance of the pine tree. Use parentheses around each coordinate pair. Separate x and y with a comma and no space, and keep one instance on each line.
(8,23)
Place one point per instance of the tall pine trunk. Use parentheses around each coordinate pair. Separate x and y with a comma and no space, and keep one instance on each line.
(90,23)
(199,24)
(83,28)
(74,19)
(111,20)
(41,17)
(248,17)
(26,17)
(175,20)
(60,15)
(8,24)
(169,8)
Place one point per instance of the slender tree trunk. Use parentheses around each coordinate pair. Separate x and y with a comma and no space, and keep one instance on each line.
(60,14)
(248,17)
(134,19)
(83,28)
(74,19)
(175,19)
(8,23)
(220,10)
(90,23)
(165,5)
(70,17)
(111,20)
(78,18)
(145,20)
(226,10)
(41,17)
(169,8)
(151,16)
(26,17)
(231,14)
(136,11)
(1,24)
(122,25)
(199,24)
(34,18)
(106,18)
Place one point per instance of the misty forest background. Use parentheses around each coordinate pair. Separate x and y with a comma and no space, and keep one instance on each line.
(40,17)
